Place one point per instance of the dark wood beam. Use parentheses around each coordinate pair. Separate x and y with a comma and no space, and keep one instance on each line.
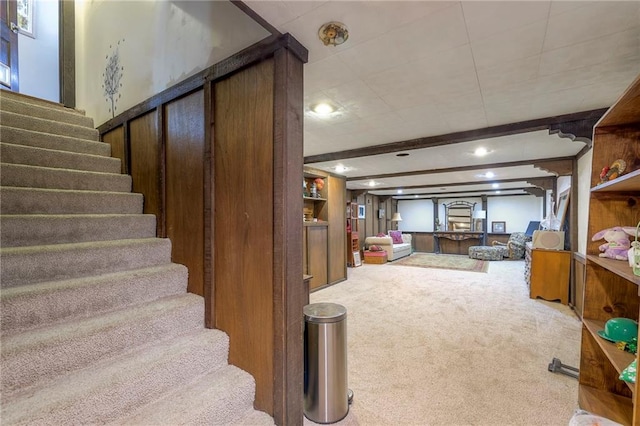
(536,181)
(461,168)
(538,192)
(253,15)
(558,167)
(458,137)
(445,195)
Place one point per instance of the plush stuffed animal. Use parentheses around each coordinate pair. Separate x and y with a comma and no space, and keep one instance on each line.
(617,242)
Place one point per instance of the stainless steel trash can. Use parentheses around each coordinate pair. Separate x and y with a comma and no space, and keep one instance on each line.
(326,394)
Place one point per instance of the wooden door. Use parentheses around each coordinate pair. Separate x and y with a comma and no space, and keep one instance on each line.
(8,45)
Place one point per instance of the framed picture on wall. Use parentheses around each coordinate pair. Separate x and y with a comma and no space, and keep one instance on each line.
(381,213)
(498,227)
(361,210)
(25,17)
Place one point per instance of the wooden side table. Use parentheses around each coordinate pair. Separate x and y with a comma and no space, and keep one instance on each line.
(377,257)
(548,273)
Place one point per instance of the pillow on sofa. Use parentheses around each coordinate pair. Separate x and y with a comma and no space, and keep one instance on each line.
(381,234)
(396,237)
(375,248)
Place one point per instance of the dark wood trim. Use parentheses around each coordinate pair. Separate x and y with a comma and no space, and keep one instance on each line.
(218,71)
(289,297)
(536,181)
(162,167)
(459,169)
(67,52)
(441,196)
(253,15)
(209,205)
(457,137)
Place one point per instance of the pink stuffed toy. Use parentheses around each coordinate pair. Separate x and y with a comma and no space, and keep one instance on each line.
(617,244)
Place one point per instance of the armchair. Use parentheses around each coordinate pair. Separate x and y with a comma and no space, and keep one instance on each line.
(515,245)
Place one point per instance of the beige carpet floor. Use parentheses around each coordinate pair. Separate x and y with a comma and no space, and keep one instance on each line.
(442,347)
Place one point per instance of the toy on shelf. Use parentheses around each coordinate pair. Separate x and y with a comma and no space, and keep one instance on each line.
(617,242)
(613,171)
(634,253)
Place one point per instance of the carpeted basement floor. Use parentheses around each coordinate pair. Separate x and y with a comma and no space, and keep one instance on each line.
(442,347)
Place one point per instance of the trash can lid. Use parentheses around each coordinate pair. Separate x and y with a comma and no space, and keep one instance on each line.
(324,312)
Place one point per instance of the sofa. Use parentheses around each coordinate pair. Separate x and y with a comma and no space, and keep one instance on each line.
(394,250)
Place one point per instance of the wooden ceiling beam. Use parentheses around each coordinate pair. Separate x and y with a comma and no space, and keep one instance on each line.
(536,181)
(558,167)
(459,169)
(474,193)
(555,122)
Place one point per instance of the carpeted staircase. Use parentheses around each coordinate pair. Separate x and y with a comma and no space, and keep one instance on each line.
(96,323)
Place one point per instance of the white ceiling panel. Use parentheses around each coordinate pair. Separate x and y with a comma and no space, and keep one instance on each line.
(420,69)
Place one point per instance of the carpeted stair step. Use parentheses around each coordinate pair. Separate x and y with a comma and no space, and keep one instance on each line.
(53,178)
(31,100)
(53,158)
(56,142)
(48,112)
(222,397)
(27,307)
(36,124)
(63,201)
(113,388)
(42,229)
(35,357)
(30,265)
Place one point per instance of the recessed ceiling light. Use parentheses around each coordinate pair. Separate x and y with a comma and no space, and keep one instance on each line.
(495,185)
(489,175)
(323,108)
(372,183)
(480,151)
(402,154)
(497,192)
(399,191)
(341,168)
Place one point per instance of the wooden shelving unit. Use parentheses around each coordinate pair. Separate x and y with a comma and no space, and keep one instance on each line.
(611,288)
(323,231)
(353,237)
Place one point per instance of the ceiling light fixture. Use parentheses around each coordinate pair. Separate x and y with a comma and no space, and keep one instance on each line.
(495,185)
(333,33)
(372,183)
(489,175)
(481,151)
(399,191)
(323,108)
(341,168)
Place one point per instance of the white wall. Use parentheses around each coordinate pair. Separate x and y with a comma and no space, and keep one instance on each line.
(39,69)
(584,193)
(159,44)
(516,211)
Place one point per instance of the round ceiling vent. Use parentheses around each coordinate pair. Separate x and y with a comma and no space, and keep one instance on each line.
(333,33)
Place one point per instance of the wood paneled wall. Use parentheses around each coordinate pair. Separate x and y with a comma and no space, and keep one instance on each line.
(170,175)
(243,229)
(372,224)
(219,161)
(184,184)
(337,234)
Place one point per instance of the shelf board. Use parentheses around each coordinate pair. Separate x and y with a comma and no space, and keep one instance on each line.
(626,183)
(314,198)
(619,358)
(618,267)
(318,223)
(606,404)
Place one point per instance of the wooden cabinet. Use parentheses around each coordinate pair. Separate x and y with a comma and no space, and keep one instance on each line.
(315,247)
(323,237)
(547,273)
(611,288)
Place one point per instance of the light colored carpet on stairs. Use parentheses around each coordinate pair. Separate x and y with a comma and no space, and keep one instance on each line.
(442,347)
